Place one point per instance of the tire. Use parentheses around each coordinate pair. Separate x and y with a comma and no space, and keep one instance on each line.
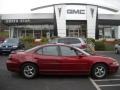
(116,51)
(29,70)
(99,71)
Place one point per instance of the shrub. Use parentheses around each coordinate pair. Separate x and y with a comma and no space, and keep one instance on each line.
(4,34)
(44,40)
(91,40)
(29,39)
(99,45)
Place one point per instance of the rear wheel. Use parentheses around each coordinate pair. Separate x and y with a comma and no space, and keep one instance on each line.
(29,70)
(99,71)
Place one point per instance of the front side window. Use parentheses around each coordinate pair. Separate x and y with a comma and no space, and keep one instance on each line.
(68,51)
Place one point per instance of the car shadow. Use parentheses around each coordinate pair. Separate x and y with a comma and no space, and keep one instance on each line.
(42,77)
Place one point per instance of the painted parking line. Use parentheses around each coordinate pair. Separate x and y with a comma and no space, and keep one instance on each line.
(109,85)
(99,86)
(107,80)
(94,84)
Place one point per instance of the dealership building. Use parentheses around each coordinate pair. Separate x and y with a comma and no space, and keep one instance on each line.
(67,20)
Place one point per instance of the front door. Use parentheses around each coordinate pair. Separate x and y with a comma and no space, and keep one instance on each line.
(71,62)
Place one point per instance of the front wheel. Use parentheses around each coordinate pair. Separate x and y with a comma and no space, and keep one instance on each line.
(99,71)
(29,70)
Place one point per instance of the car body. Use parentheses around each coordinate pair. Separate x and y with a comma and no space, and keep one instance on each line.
(117,48)
(74,41)
(11,44)
(60,59)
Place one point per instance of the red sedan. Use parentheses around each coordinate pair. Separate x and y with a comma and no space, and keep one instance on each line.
(60,59)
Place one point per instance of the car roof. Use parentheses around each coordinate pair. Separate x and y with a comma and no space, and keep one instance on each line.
(70,37)
(44,45)
(58,44)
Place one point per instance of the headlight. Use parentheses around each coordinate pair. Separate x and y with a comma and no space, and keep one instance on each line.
(15,46)
(115,63)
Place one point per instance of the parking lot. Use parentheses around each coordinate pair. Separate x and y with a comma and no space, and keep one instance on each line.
(113,81)
(13,81)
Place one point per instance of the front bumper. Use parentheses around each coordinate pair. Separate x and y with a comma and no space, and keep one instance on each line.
(7,50)
(113,68)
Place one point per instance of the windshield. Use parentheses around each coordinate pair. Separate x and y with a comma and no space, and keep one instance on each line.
(11,40)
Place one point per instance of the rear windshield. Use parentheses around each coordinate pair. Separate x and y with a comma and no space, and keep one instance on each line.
(69,40)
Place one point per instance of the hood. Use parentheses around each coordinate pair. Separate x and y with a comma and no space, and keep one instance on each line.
(102,58)
(8,44)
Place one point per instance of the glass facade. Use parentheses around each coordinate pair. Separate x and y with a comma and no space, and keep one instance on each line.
(107,31)
(76,29)
(36,31)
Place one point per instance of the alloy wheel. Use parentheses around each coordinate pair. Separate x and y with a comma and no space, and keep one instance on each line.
(29,70)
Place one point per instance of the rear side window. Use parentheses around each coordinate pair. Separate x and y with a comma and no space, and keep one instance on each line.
(49,50)
(69,40)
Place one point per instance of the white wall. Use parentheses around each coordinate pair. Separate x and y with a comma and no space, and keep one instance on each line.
(77,12)
(118,33)
(91,21)
(61,20)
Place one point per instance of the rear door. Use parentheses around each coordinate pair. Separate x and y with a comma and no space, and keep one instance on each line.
(48,58)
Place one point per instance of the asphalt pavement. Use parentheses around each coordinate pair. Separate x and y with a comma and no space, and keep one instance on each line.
(12,81)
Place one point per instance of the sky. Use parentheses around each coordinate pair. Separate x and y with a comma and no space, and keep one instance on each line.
(25,6)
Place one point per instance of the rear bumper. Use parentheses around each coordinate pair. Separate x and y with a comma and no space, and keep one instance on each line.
(13,66)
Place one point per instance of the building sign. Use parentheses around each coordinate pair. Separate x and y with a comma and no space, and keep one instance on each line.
(17,21)
(75,12)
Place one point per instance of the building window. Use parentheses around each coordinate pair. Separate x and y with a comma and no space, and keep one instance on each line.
(107,31)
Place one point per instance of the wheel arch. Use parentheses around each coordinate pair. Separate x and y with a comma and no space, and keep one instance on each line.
(28,62)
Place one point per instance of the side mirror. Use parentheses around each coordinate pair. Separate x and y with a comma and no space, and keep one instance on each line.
(81,55)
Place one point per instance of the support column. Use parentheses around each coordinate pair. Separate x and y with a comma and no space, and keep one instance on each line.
(61,20)
(25,32)
(118,33)
(9,32)
(17,33)
(12,32)
(91,21)
(33,34)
